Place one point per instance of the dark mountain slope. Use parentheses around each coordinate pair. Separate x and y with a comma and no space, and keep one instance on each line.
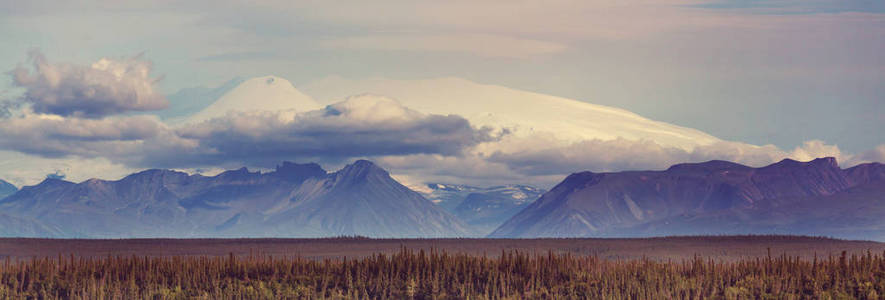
(6,189)
(362,199)
(154,203)
(642,203)
(294,200)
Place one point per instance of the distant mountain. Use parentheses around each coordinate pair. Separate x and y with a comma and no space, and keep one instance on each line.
(484,209)
(447,195)
(267,93)
(715,197)
(294,200)
(6,189)
(192,100)
(362,199)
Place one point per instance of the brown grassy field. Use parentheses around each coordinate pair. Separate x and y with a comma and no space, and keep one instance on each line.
(672,248)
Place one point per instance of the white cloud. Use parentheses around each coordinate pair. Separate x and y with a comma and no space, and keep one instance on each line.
(873,155)
(521,113)
(107,87)
(812,149)
(22,169)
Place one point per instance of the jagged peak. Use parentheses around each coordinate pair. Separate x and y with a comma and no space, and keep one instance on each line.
(361,168)
(363,164)
(827,162)
(242,171)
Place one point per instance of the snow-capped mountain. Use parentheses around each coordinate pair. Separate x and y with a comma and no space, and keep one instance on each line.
(447,196)
(484,209)
(192,100)
(267,93)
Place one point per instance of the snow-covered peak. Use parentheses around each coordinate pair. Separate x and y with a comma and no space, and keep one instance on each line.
(267,93)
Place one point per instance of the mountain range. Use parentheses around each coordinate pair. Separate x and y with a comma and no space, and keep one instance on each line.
(715,197)
(304,200)
(294,200)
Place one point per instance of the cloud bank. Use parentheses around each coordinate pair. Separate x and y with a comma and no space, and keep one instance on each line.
(77,111)
(53,136)
(72,113)
(357,127)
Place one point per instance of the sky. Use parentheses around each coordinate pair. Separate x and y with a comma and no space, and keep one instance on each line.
(88,84)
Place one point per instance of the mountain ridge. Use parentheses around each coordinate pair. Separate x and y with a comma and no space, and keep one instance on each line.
(234,203)
(614,204)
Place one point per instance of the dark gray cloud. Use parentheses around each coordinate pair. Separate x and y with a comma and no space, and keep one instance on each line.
(55,136)
(107,87)
(358,127)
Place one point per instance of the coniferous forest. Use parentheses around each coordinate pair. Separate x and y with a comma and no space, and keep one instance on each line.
(440,275)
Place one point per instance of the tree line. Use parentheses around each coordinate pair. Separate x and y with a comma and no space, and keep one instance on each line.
(432,274)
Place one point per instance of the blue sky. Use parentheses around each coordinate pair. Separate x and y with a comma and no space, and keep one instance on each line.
(757,72)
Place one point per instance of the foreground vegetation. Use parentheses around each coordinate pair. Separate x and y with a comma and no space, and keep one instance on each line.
(439,275)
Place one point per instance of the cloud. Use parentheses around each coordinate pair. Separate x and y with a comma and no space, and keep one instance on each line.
(792,7)
(873,155)
(361,126)
(108,86)
(22,169)
(357,127)
(56,136)
(812,149)
(622,154)
(480,44)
